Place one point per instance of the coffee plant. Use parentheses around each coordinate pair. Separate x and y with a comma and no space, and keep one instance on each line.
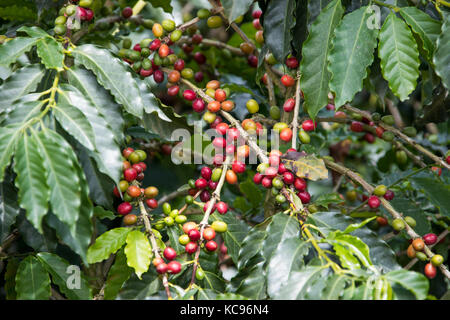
(233,149)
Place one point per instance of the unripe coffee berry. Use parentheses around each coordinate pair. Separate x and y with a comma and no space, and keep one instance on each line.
(398,224)
(130,219)
(380,190)
(437,260)
(410,221)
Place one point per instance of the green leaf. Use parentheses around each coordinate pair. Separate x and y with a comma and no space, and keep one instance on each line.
(22,111)
(435,190)
(151,103)
(75,123)
(251,246)
(213,281)
(254,284)
(315,75)
(354,226)
(174,233)
(60,176)
(9,208)
(305,166)
(11,50)
(334,287)
(230,296)
(325,200)
(164,4)
(415,282)
(352,53)
(278,22)
(21,82)
(112,74)
(34,32)
(101,213)
(8,140)
(441,57)
(32,281)
(85,81)
(138,252)
(51,53)
(107,154)
(10,278)
(119,273)
(251,192)
(399,56)
(107,244)
(280,228)
(287,257)
(346,246)
(45,242)
(62,276)
(426,27)
(141,289)
(299,283)
(34,192)
(17,13)
(235,8)
(234,236)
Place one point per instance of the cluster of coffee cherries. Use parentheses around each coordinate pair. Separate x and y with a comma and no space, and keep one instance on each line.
(415,250)
(172,267)
(287,79)
(191,237)
(133,172)
(275,176)
(78,9)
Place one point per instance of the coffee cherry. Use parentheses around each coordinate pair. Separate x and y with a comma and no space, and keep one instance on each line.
(259,36)
(380,190)
(167,208)
(292,63)
(286,134)
(169,221)
(421,256)
(238,167)
(266,182)
(246,48)
(300,184)
(257,178)
(169,253)
(214,22)
(418,244)
(389,120)
(231,177)
(184,239)
(374,202)
(222,207)
(304,137)
(168,25)
(330,107)
(382,221)
(199,274)
(130,174)
(437,260)
(193,234)
(356,126)
(188,226)
(280,198)
(437,170)
(389,195)
(430,271)
(209,234)
(124,208)
(211,245)
(410,252)
(309,125)
(219,226)
(157,261)
(203,13)
(289,105)
(134,191)
(214,106)
(304,196)
(252,106)
(398,224)
(287,80)
(130,219)
(162,268)
(189,95)
(288,177)
(158,76)
(174,267)
(429,239)
(157,30)
(127,12)
(152,203)
(191,247)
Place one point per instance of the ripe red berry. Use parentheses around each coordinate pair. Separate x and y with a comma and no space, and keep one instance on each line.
(201,183)
(158,76)
(194,234)
(89,14)
(257,178)
(189,95)
(286,134)
(256,14)
(266,182)
(137,167)
(238,167)
(282,168)
(288,177)
(292,63)
(124,208)
(209,234)
(389,195)
(430,270)
(200,58)
(369,138)
(174,267)
(447,159)
(198,76)
(155,44)
(206,173)
(126,152)
(222,128)
(130,174)
(309,125)
(211,245)
(212,185)
(222,207)
(127,12)
(191,247)
(374,202)
(198,105)
(356,126)
(330,107)
(169,253)
(289,105)
(116,192)
(304,196)
(152,203)
(233,134)
(219,143)
(197,38)
(300,184)
(257,24)
(252,61)
(382,221)
(162,268)
(173,90)
(271,172)
(287,80)
(205,196)
(429,239)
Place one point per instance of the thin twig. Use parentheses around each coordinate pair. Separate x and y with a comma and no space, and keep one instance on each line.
(296,111)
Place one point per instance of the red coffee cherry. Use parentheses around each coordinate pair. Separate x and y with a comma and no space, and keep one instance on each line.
(198,105)
(189,95)
(191,247)
(209,234)
(179,65)
(238,167)
(389,195)
(169,253)
(266,182)
(219,143)
(257,178)
(379,132)
(289,105)
(201,183)
(222,207)
(369,138)
(257,24)
(200,58)
(89,14)
(309,125)
(127,12)
(155,44)
(205,196)
(252,61)
(174,267)
(282,168)
(330,107)
(198,76)
(304,196)
(356,126)
(289,178)
(429,239)
(197,38)
(152,203)
(211,245)
(212,185)
(223,248)
(300,184)
(287,80)
(124,208)
(374,202)
(222,128)
(206,173)
(158,76)
(286,134)
(292,63)
(430,270)
(382,221)
(271,172)
(126,152)
(256,14)
(194,234)
(130,174)
(162,268)
(173,90)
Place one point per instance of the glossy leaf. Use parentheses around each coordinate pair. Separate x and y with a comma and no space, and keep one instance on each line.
(280,228)
(70,281)
(107,244)
(415,282)
(435,190)
(112,74)
(141,289)
(254,285)
(9,208)
(9,137)
(251,246)
(315,75)
(34,192)
(334,287)
(32,280)
(299,283)
(351,54)
(51,53)
(235,8)
(119,273)
(138,252)
(399,56)
(13,49)
(10,278)
(441,57)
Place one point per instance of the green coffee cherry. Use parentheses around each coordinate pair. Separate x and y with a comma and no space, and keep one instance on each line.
(189,200)
(62,11)
(219,226)
(187,73)
(280,126)
(148,23)
(275,112)
(277,183)
(191,183)
(184,239)
(216,173)
(274,191)
(389,120)
(437,260)
(176,35)
(387,136)
(159,225)
(262,167)
(410,131)
(59,29)
(214,22)
(398,224)
(168,25)
(312,208)
(85,3)
(169,221)
(166,208)
(376,116)
(174,213)
(199,274)
(203,13)
(401,157)
(126,43)
(421,256)
(180,219)
(270,59)
(71,9)
(410,221)
(304,137)
(60,20)
(380,190)
(280,198)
